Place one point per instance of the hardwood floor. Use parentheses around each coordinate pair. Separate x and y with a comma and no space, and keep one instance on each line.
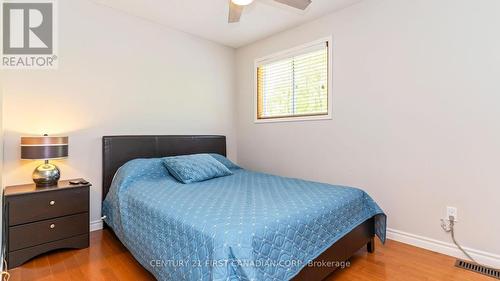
(107,259)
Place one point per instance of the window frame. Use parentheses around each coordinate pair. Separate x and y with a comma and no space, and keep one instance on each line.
(290,53)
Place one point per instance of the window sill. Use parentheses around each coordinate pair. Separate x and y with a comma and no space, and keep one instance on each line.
(293,119)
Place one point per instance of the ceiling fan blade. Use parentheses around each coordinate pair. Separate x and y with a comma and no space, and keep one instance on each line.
(299,4)
(234,12)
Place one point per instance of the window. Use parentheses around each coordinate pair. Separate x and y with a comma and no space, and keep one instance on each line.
(294,85)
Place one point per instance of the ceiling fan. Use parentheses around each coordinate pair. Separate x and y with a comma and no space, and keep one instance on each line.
(236,7)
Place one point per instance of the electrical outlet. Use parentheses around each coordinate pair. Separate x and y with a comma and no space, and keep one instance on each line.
(451,211)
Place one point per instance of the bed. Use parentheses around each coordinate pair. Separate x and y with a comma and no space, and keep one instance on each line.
(247,226)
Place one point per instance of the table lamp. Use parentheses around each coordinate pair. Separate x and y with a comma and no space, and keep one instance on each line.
(45,148)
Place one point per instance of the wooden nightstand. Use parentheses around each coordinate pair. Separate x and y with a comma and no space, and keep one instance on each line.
(39,220)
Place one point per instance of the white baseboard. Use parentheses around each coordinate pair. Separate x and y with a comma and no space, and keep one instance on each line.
(449,249)
(95,225)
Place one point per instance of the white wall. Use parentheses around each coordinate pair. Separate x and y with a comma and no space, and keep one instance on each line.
(117,75)
(416,114)
(1,170)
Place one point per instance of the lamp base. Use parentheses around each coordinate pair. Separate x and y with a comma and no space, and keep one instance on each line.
(46,175)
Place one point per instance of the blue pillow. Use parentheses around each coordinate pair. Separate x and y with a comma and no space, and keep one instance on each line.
(230,165)
(195,168)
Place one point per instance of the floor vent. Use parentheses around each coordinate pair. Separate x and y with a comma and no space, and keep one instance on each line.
(495,273)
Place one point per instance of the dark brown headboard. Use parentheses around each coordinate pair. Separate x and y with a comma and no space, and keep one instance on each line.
(118,150)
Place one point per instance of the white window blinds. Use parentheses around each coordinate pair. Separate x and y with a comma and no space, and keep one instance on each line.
(294,85)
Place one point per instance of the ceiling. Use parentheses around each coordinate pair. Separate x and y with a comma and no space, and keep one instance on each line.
(208,18)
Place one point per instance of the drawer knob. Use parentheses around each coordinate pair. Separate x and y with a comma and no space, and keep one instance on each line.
(52,226)
(52,203)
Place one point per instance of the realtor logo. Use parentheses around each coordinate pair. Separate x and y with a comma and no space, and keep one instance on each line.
(28,35)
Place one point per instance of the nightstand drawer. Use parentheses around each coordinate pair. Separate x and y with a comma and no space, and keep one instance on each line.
(31,234)
(46,205)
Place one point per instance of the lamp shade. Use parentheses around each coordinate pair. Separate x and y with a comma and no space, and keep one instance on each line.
(44,147)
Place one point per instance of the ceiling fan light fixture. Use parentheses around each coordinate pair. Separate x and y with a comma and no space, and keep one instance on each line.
(242,2)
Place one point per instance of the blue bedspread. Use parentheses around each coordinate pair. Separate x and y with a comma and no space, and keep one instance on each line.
(247,226)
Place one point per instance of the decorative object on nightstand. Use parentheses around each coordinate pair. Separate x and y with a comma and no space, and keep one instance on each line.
(44,148)
(39,220)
